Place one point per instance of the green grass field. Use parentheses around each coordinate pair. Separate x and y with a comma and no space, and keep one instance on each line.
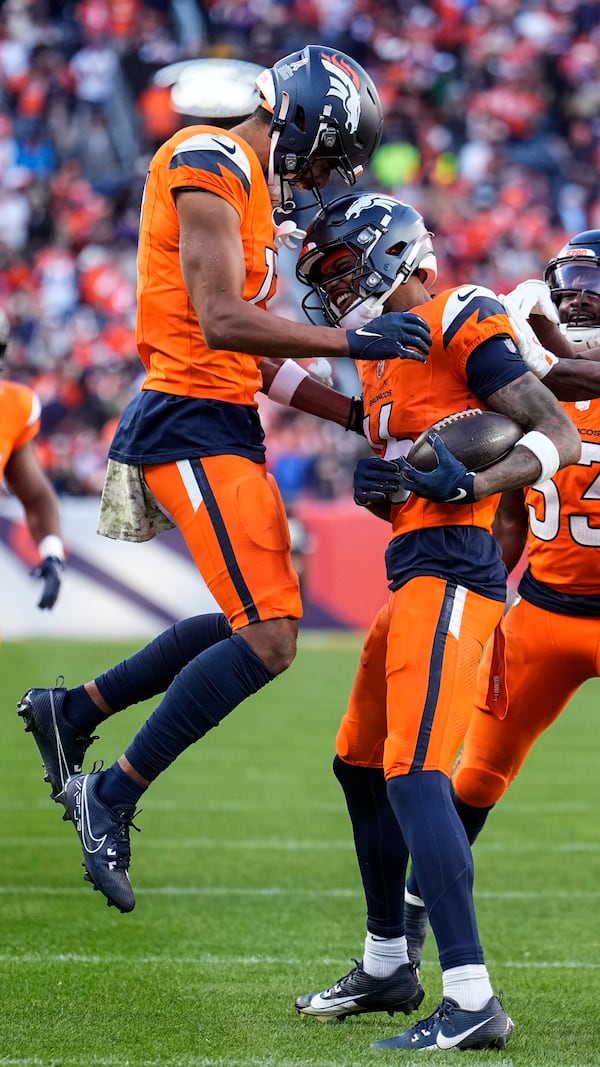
(247,892)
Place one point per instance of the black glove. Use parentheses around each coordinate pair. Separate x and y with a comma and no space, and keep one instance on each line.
(449,483)
(374,480)
(50,570)
(397,335)
(356,416)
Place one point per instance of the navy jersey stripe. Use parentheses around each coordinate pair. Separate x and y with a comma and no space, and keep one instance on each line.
(212,161)
(435,678)
(224,543)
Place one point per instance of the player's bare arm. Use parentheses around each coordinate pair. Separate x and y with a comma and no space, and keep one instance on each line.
(27,481)
(510,526)
(212,261)
(306,393)
(214,272)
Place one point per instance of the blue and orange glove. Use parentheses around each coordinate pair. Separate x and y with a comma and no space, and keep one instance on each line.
(449,483)
(397,335)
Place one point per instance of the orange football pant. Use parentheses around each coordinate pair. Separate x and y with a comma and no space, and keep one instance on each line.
(547,658)
(230,513)
(414,690)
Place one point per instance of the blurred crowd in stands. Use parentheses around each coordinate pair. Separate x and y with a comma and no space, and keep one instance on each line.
(492,131)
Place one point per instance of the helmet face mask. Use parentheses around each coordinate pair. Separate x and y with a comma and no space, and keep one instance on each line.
(326,110)
(388,241)
(573,277)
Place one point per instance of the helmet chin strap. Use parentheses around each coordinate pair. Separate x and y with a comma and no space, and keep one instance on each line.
(277,185)
(363,312)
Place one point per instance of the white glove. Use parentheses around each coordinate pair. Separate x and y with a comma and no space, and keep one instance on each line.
(533,298)
(581,337)
(532,351)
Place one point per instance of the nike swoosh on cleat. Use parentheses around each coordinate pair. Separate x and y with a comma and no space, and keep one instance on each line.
(452,1040)
(465,297)
(86,832)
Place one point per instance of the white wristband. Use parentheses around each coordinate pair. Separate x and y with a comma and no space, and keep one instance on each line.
(545,451)
(51,545)
(286,381)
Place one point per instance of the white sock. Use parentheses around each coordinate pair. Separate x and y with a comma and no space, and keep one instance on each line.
(383,955)
(469,986)
(410,898)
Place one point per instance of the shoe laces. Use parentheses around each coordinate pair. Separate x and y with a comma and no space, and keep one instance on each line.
(339,985)
(443,1011)
(123,819)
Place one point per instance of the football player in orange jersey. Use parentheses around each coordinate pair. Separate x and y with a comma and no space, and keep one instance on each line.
(20,412)
(558,596)
(189,448)
(553,627)
(413,694)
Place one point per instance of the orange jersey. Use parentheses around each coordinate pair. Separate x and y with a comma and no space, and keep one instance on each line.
(403,397)
(20,412)
(563,542)
(169,338)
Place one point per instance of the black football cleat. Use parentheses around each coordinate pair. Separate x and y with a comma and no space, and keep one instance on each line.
(104,836)
(62,746)
(452,1027)
(358,992)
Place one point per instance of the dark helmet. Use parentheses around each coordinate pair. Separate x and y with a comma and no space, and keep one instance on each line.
(388,239)
(326,107)
(573,277)
(576,268)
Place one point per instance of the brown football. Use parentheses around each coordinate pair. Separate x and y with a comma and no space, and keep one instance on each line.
(477,438)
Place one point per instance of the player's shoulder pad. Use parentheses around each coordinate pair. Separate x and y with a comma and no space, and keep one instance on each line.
(21,403)
(207,149)
(467,300)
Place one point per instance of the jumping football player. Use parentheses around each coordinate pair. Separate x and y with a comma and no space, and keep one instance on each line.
(189,448)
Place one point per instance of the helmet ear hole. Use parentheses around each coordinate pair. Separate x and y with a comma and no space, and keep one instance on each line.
(300,118)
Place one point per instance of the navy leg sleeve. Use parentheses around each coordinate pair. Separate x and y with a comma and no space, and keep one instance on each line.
(199,697)
(380,849)
(151,670)
(442,862)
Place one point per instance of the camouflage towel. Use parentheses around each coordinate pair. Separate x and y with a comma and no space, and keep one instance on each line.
(128,511)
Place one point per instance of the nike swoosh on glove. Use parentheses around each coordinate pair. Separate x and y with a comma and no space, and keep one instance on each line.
(374,480)
(397,335)
(50,571)
(449,483)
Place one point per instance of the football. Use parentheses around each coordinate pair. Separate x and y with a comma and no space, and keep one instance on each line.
(477,438)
